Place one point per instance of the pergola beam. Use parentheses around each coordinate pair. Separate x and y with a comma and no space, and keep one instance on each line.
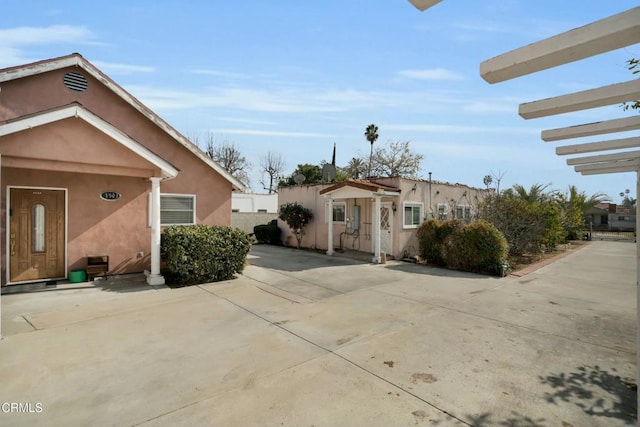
(618,164)
(591,129)
(605,35)
(592,98)
(423,5)
(620,169)
(592,147)
(627,155)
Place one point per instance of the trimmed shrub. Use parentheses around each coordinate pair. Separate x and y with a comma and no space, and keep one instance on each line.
(268,233)
(432,235)
(477,247)
(197,254)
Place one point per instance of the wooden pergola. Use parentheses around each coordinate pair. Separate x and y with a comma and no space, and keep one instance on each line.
(609,155)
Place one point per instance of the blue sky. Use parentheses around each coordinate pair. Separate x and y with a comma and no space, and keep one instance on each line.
(295,77)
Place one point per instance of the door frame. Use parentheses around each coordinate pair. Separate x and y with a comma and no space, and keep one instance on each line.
(389,206)
(8,232)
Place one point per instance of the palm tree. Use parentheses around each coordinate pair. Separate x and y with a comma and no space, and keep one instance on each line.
(371,134)
(535,195)
(356,168)
(583,202)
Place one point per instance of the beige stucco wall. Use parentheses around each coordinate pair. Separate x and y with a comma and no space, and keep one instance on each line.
(72,154)
(404,241)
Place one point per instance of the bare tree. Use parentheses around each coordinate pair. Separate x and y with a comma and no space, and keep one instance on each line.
(227,155)
(497,177)
(272,164)
(396,159)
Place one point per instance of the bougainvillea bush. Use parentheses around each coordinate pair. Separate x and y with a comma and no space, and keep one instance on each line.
(297,217)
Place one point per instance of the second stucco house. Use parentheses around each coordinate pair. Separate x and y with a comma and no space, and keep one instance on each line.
(87,169)
(376,215)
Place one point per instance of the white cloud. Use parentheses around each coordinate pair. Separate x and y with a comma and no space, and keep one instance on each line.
(489,107)
(248,121)
(290,99)
(13,41)
(258,132)
(218,73)
(425,128)
(24,36)
(115,68)
(431,74)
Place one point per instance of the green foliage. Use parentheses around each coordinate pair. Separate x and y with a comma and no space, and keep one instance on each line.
(477,247)
(520,222)
(432,235)
(297,217)
(312,175)
(554,233)
(197,254)
(268,233)
(633,65)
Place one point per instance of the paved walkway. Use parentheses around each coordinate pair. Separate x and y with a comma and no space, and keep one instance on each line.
(305,339)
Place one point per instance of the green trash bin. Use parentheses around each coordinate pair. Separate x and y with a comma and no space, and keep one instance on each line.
(77,276)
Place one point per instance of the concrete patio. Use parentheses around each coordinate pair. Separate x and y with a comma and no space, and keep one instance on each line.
(305,339)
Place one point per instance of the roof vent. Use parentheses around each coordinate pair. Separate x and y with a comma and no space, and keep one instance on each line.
(75,82)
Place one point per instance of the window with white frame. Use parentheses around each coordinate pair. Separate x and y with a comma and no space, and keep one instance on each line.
(463,212)
(412,215)
(339,212)
(177,209)
(442,211)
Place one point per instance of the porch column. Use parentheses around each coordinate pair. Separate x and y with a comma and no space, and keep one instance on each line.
(376,230)
(330,228)
(154,277)
(638,286)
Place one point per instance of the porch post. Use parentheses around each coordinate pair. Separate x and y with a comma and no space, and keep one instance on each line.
(638,293)
(330,228)
(376,230)
(154,277)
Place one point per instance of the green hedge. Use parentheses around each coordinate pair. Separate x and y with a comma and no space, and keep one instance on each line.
(268,233)
(432,235)
(477,247)
(195,254)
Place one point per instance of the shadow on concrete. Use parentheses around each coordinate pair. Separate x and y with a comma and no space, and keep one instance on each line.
(514,420)
(289,259)
(430,270)
(597,392)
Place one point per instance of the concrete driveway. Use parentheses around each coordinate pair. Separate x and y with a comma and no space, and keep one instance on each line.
(302,339)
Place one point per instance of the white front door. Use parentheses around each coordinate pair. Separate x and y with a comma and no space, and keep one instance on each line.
(386,229)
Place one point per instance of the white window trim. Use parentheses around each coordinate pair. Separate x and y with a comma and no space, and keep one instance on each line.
(445,212)
(193,196)
(420,206)
(464,209)
(328,214)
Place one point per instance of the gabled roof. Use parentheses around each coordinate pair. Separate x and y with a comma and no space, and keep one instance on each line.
(77,60)
(78,111)
(362,184)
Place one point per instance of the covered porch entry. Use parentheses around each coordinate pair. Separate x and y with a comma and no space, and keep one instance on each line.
(73,185)
(367,209)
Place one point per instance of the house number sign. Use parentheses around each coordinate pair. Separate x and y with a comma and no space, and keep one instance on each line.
(110,195)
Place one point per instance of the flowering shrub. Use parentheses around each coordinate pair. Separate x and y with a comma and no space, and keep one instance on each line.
(297,217)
